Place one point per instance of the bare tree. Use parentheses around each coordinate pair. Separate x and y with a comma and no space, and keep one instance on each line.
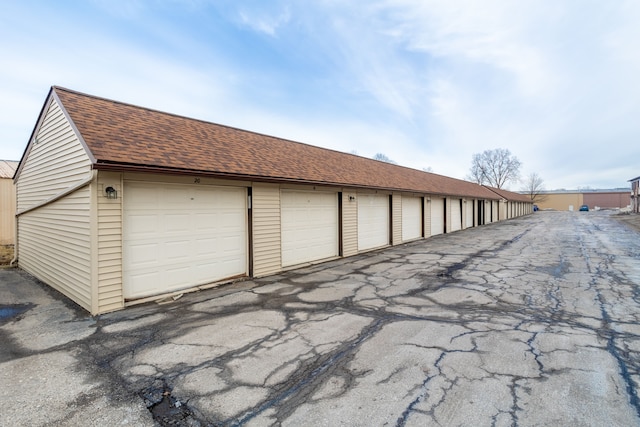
(495,168)
(534,187)
(383,158)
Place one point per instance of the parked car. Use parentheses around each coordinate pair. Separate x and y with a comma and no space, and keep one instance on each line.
(584,208)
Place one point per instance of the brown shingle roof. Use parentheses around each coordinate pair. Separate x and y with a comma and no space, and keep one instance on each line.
(510,195)
(124,136)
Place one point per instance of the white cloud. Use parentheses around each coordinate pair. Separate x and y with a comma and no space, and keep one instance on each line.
(264,21)
(426,82)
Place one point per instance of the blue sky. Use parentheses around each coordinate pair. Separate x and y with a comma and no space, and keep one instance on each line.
(427,83)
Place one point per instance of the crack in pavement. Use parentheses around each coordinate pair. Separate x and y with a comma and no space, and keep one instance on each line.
(534,320)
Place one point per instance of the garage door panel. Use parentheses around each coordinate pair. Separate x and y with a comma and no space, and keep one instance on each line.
(179,236)
(469,214)
(177,223)
(456,215)
(144,281)
(411,218)
(373,221)
(203,245)
(175,251)
(143,254)
(309,226)
(143,225)
(144,199)
(437,216)
(205,222)
(231,221)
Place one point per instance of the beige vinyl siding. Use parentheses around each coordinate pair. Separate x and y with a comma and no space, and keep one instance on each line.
(55,162)
(7,212)
(396,219)
(495,211)
(109,244)
(54,237)
(349,224)
(266,229)
(54,245)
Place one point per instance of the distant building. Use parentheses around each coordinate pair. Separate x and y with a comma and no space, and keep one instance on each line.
(635,184)
(571,200)
(7,202)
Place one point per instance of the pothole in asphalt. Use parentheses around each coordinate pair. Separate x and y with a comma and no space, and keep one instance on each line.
(166,409)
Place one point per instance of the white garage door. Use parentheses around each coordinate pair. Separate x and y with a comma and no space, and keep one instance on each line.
(411,218)
(456,215)
(373,221)
(468,214)
(437,216)
(178,236)
(309,226)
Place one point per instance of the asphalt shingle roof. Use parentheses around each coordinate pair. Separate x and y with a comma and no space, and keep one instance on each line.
(124,136)
(510,195)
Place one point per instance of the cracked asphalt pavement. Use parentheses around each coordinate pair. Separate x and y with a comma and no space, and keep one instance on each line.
(533,321)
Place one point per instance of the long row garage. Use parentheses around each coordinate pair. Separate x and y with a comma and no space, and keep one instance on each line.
(117,203)
(179,235)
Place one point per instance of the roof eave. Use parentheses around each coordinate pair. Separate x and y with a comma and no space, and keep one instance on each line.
(137,168)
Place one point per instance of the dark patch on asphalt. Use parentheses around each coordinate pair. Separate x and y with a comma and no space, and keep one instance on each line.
(9,350)
(13,312)
(165,408)
(558,270)
(449,272)
(323,367)
(103,348)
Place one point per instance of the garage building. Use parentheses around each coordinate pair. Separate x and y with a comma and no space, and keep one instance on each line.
(117,204)
(571,200)
(7,202)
